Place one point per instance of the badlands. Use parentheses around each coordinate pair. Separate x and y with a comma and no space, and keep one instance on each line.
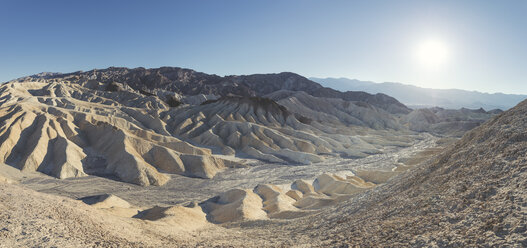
(170,157)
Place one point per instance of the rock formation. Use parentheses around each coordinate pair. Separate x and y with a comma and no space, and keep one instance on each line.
(284,201)
(67,130)
(447,121)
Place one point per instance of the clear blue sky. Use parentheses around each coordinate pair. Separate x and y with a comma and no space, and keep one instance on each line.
(367,40)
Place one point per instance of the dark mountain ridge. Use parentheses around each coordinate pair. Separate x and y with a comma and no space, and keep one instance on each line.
(190,82)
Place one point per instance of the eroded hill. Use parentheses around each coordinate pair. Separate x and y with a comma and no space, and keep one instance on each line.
(136,125)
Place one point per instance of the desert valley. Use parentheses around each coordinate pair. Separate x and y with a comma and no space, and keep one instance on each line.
(173,157)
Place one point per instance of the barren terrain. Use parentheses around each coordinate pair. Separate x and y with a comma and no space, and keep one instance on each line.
(181,189)
(172,157)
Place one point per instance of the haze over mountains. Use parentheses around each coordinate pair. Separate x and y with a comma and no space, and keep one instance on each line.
(418,97)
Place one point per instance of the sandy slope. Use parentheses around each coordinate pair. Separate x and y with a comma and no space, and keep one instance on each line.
(32,219)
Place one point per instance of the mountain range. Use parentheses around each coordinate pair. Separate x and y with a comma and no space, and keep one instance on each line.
(418,97)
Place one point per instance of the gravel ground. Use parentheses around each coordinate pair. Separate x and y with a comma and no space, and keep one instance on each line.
(181,189)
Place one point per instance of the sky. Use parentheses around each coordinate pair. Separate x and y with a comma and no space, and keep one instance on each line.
(474,45)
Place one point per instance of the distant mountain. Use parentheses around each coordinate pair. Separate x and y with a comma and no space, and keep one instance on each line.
(417,97)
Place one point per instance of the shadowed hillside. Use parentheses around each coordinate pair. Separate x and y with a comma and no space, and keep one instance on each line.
(472,194)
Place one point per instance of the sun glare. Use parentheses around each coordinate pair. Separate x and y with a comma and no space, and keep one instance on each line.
(432,53)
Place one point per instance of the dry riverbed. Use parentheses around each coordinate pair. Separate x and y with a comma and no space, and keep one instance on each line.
(181,189)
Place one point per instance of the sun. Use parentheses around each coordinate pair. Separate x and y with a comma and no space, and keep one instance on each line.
(432,53)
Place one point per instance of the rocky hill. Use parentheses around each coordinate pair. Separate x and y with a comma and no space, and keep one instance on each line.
(66,130)
(335,111)
(452,122)
(472,194)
